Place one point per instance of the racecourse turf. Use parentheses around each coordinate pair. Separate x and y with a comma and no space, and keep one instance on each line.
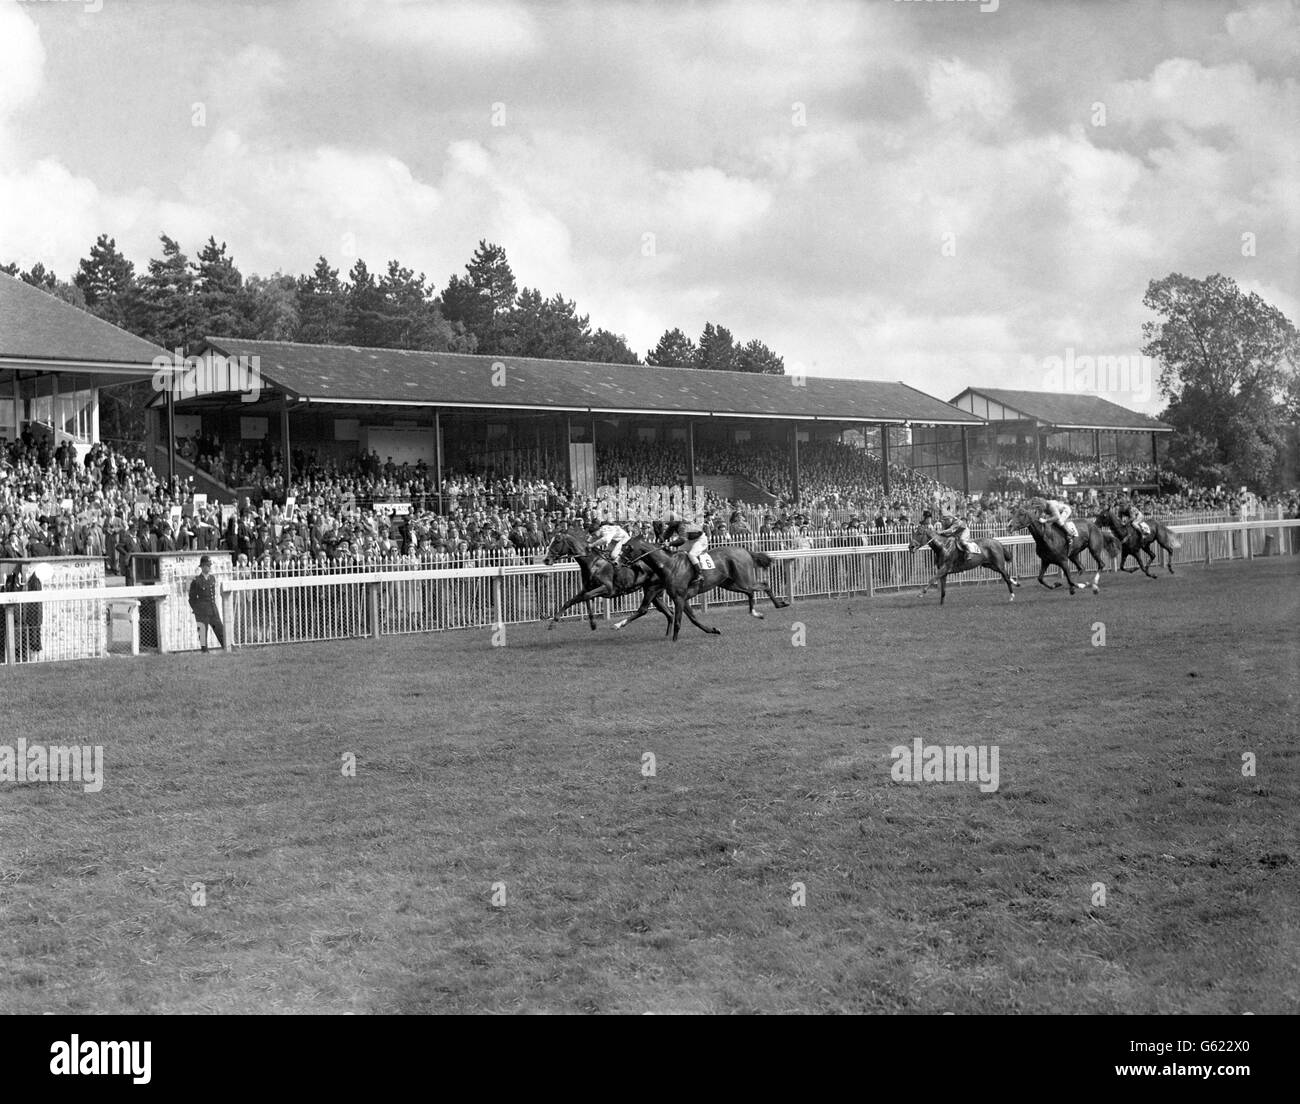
(499,848)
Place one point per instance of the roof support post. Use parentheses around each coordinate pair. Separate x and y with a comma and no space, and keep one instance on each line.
(965,464)
(437,455)
(884,454)
(18,407)
(794,461)
(285,446)
(690,452)
(1038,451)
(1155,452)
(1096,446)
(171,439)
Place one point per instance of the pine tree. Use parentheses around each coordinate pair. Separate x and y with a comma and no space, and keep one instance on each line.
(754,356)
(107,280)
(222,306)
(321,306)
(675,350)
(166,311)
(717,351)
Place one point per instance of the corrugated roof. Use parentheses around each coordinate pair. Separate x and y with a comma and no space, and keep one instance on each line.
(1069,411)
(35,325)
(345,373)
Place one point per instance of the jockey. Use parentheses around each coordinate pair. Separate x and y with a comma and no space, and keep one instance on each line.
(1130,510)
(610,537)
(953,526)
(679,531)
(1059,513)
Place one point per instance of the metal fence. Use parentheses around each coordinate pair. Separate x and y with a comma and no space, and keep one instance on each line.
(286,608)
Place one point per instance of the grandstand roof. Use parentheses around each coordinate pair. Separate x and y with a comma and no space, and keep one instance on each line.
(1061,410)
(40,331)
(349,374)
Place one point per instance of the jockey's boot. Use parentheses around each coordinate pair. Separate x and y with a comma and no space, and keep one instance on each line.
(1069,541)
(696,574)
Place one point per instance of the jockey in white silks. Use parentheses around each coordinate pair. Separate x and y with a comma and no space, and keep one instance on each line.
(610,538)
(1059,513)
(690,535)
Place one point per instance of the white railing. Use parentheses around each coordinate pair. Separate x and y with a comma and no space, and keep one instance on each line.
(298,609)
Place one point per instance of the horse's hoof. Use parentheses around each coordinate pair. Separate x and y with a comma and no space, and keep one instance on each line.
(550,625)
(1096,589)
(755,613)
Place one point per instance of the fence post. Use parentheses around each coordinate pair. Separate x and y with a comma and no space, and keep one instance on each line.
(133,619)
(789,581)
(871,575)
(227,606)
(372,608)
(10,655)
(160,619)
(1209,547)
(498,600)
(1245,543)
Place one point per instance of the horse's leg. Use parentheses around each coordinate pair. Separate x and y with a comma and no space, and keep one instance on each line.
(582,596)
(1042,570)
(647,599)
(690,615)
(1169,554)
(943,586)
(1001,569)
(1069,579)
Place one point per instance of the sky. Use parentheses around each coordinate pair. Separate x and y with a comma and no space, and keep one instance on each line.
(944,193)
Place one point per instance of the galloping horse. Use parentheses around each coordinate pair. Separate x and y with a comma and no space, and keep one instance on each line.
(733,569)
(1053,548)
(602,579)
(1133,542)
(951,559)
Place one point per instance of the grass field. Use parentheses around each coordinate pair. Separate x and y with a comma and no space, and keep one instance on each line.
(477,765)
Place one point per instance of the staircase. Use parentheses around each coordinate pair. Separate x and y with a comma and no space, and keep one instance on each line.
(203,482)
(735,487)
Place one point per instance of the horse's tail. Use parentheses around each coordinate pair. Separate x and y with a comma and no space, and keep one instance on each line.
(762,559)
(1175,541)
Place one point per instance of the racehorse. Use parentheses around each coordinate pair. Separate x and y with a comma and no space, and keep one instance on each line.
(601,578)
(1133,542)
(733,569)
(951,559)
(1053,548)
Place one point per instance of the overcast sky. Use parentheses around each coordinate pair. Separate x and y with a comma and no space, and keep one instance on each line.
(920,191)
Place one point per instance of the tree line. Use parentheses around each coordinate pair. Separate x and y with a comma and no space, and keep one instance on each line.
(175,302)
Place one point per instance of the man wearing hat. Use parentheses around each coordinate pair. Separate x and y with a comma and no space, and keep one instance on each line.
(203,602)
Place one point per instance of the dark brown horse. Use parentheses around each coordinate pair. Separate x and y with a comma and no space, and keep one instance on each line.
(1055,549)
(1133,541)
(733,569)
(601,578)
(951,559)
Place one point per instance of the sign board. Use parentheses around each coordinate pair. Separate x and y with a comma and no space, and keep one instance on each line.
(200,500)
(392,509)
(65,504)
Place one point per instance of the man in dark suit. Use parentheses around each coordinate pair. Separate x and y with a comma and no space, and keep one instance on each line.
(203,603)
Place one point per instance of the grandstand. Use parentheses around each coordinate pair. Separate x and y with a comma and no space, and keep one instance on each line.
(1058,442)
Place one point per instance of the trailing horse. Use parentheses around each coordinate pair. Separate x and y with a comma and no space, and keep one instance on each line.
(602,579)
(951,559)
(1133,541)
(733,569)
(1054,549)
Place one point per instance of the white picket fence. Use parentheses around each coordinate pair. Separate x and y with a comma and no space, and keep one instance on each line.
(298,609)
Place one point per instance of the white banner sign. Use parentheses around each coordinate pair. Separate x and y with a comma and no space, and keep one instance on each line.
(392,509)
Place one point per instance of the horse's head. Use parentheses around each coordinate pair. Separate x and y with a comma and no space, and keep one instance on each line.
(1020,519)
(563,545)
(921,536)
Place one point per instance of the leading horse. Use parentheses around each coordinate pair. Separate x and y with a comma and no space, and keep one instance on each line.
(602,578)
(733,569)
(1054,548)
(950,559)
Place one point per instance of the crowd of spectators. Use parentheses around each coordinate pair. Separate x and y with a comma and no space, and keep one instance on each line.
(370,512)
(1016,471)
